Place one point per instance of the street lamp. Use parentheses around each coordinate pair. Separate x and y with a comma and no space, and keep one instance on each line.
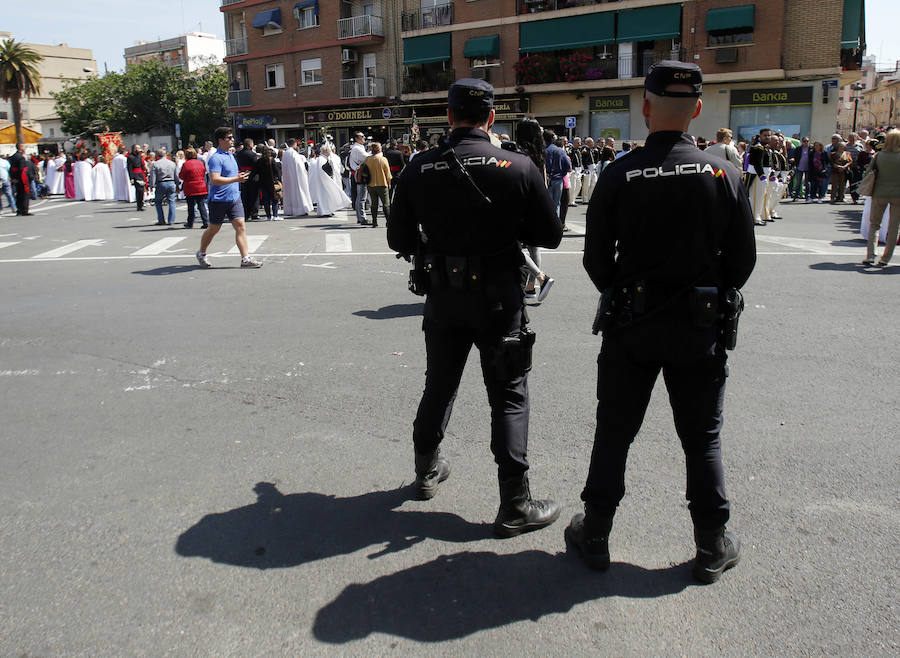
(856,87)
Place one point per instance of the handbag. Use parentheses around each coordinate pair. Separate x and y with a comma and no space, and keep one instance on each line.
(867,185)
(364,176)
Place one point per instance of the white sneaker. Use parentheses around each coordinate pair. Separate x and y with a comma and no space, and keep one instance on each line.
(249,262)
(201,258)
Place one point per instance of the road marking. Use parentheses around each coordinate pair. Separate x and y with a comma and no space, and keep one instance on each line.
(69,248)
(327,266)
(337,242)
(32,237)
(158,247)
(813,246)
(82,216)
(254,242)
(62,204)
(9,244)
(577,228)
(7,235)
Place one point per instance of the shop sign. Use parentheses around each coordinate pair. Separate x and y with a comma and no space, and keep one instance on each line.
(361,115)
(610,104)
(777,96)
(253,122)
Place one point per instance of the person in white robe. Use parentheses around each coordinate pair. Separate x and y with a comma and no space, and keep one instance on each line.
(123,190)
(49,174)
(327,186)
(313,162)
(102,181)
(59,182)
(84,186)
(295,182)
(179,163)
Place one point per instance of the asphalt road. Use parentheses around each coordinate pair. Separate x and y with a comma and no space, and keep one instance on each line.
(217,462)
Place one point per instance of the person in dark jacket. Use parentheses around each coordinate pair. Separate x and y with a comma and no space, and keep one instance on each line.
(668,232)
(193,178)
(246,158)
(22,174)
(137,171)
(395,162)
(266,171)
(468,249)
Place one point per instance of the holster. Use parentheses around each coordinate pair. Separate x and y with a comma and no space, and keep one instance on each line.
(704,306)
(513,356)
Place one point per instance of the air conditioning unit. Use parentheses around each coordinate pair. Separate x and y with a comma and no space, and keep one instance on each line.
(726,56)
(480,62)
(348,55)
(481,73)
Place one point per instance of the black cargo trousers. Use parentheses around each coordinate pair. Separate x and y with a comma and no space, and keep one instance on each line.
(694,368)
(453,322)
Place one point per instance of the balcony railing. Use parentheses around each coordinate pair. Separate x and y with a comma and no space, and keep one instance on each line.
(362,88)
(426,17)
(230,2)
(416,82)
(360,26)
(239,98)
(535,6)
(235,46)
(544,68)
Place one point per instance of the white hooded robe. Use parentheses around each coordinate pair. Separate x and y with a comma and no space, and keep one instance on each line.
(295,183)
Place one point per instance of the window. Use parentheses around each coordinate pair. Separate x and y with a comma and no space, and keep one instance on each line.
(727,37)
(3,116)
(311,71)
(306,17)
(274,76)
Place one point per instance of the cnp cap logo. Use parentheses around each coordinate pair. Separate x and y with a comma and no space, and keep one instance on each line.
(476,92)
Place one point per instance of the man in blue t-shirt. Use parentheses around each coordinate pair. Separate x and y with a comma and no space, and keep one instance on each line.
(225,199)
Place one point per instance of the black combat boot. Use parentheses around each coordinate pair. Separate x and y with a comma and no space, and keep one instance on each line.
(431,470)
(590,533)
(717,550)
(519,512)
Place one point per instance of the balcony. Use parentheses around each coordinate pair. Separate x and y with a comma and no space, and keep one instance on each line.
(239,98)
(536,6)
(547,68)
(422,19)
(230,2)
(418,81)
(236,46)
(362,88)
(360,26)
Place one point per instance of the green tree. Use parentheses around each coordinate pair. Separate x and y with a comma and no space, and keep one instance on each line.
(147,95)
(19,77)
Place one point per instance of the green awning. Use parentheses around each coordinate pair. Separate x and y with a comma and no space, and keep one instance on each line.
(649,23)
(730,18)
(482,46)
(853,34)
(567,33)
(430,48)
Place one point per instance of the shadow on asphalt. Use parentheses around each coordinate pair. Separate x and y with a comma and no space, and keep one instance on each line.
(393,311)
(859,268)
(281,530)
(172,269)
(454,596)
(850,220)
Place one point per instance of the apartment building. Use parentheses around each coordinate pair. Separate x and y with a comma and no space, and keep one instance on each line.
(188,52)
(60,66)
(576,65)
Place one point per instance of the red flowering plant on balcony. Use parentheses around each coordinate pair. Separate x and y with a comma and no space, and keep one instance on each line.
(537,68)
(575,66)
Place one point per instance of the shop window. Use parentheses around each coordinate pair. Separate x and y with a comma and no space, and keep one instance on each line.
(274,76)
(728,37)
(311,71)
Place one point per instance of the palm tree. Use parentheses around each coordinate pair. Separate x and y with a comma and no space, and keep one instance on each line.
(19,77)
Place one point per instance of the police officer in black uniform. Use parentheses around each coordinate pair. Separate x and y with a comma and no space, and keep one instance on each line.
(665,292)
(463,209)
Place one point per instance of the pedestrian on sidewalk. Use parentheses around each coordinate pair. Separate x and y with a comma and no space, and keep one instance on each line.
(379,180)
(225,199)
(886,194)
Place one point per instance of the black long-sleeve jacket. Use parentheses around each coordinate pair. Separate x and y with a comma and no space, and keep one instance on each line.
(672,216)
(429,195)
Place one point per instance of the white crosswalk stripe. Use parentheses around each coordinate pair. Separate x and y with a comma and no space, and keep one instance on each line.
(8,244)
(338,241)
(254,242)
(158,247)
(69,248)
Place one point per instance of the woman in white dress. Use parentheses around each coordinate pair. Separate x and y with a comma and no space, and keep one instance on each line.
(84,185)
(102,181)
(179,163)
(59,181)
(325,177)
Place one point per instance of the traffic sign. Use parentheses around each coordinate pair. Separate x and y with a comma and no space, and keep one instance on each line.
(570,122)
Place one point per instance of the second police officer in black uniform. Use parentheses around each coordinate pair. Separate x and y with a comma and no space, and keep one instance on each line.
(669,231)
(462,210)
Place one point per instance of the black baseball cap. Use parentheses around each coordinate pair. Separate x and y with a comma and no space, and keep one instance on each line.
(669,72)
(470,94)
